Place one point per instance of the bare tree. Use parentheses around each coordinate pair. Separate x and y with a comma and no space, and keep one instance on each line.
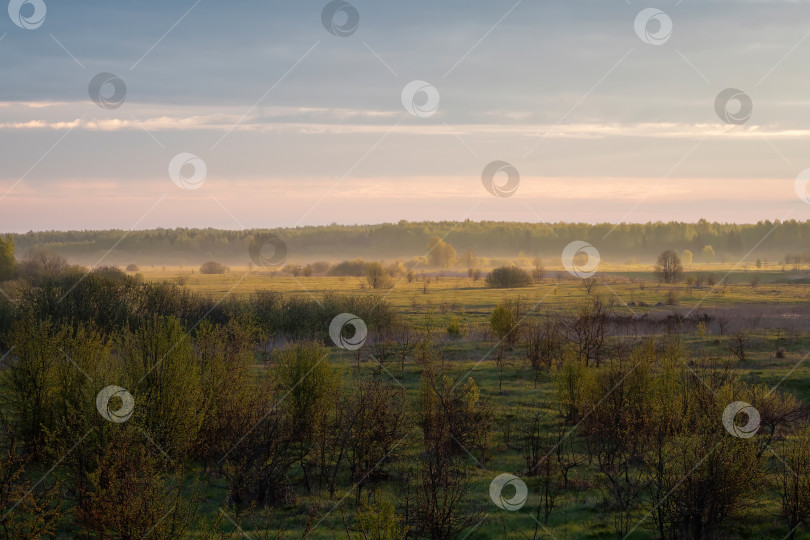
(588,284)
(794,483)
(587,331)
(737,345)
(668,266)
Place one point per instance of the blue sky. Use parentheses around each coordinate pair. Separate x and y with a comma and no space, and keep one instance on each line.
(298,126)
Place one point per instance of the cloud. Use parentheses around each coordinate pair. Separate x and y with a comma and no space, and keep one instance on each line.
(614,114)
(306,120)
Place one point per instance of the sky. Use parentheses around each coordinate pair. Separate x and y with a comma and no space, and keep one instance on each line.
(248,114)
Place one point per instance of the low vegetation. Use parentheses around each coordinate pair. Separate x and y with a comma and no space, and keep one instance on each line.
(137,407)
(509,277)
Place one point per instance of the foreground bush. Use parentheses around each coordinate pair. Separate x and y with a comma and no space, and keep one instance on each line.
(508,277)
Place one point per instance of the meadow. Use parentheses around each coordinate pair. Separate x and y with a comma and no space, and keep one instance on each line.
(771,305)
(240,414)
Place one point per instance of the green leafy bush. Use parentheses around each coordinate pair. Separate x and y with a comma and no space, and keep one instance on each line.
(508,277)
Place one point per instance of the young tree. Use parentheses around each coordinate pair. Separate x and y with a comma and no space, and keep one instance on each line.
(440,253)
(539,271)
(794,482)
(587,331)
(7,260)
(134,493)
(376,276)
(686,257)
(543,345)
(468,259)
(27,510)
(589,283)
(505,321)
(668,266)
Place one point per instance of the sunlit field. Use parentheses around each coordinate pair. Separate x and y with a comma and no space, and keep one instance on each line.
(769,305)
(452,292)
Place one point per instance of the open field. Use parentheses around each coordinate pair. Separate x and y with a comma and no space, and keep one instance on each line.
(436,402)
(775,312)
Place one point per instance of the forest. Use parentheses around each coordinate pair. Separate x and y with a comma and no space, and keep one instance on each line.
(622,242)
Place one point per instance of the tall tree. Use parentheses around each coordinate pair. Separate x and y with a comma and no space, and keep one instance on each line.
(668,266)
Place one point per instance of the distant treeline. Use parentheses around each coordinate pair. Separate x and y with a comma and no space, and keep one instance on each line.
(409,239)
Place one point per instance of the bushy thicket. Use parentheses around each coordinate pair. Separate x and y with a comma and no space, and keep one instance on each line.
(355,268)
(109,299)
(213,267)
(507,277)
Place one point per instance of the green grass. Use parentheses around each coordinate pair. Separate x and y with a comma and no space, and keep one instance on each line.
(473,299)
(582,511)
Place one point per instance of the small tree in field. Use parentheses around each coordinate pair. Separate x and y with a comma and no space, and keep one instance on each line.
(440,253)
(505,321)
(687,257)
(376,276)
(668,266)
(539,271)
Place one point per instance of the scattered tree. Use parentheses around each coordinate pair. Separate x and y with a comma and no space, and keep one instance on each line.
(668,266)
(440,253)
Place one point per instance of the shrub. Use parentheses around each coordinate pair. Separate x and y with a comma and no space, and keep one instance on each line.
(440,253)
(294,269)
(213,267)
(40,263)
(504,321)
(454,327)
(507,277)
(539,271)
(7,260)
(356,268)
(705,279)
(135,493)
(310,382)
(377,276)
(112,273)
(395,268)
(381,522)
(132,267)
